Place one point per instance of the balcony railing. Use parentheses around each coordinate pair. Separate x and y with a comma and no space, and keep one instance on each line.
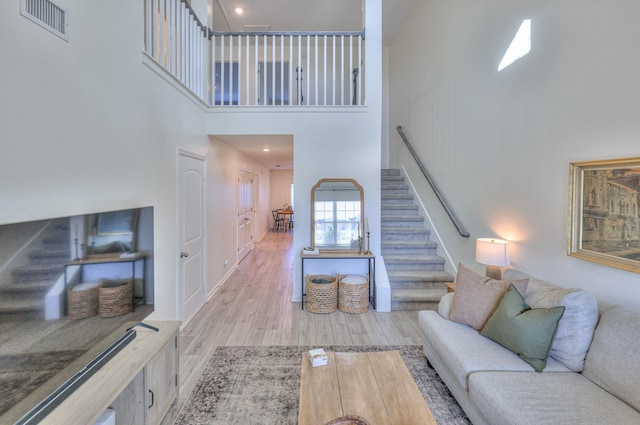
(255,69)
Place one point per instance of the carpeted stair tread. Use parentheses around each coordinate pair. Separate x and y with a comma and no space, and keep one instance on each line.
(388,230)
(393,198)
(36,272)
(32,286)
(394,188)
(416,273)
(402,217)
(435,259)
(400,209)
(426,243)
(402,220)
(12,306)
(418,295)
(420,275)
(416,246)
(394,184)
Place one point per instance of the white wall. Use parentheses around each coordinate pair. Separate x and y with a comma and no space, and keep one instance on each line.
(327,142)
(499,144)
(325,145)
(280,189)
(84,126)
(224,164)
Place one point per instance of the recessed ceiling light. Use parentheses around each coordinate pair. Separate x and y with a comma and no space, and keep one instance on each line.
(266,149)
(239,10)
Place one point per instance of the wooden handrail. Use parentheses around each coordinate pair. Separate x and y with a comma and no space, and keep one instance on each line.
(454,219)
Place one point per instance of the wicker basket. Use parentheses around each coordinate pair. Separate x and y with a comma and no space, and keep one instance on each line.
(322,297)
(115,297)
(353,293)
(83,300)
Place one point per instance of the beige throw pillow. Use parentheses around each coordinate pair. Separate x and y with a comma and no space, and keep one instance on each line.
(477,296)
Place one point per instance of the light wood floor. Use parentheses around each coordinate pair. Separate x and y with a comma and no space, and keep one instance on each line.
(253,307)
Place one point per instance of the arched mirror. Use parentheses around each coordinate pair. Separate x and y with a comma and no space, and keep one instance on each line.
(112,233)
(337,215)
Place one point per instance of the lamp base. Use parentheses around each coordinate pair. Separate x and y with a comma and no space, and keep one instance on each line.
(495,272)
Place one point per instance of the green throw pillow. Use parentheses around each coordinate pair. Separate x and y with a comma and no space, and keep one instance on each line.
(527,332)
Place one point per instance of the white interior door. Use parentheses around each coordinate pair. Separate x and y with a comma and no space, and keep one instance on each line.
(245,214)
(191,235)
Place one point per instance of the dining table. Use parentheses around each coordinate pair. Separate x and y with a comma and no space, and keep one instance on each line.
(286,215)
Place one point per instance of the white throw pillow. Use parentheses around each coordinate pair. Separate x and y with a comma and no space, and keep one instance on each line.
(575,329)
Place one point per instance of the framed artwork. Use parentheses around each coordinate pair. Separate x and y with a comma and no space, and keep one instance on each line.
(604,214)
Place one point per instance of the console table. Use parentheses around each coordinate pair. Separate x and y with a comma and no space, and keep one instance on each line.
(370,258)
(135,258)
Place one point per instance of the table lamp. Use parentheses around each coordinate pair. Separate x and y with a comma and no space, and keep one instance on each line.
(494,253)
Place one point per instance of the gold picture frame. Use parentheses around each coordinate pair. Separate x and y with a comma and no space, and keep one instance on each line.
(604,212)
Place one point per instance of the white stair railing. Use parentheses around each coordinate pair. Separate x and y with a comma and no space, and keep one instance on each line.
(177,41)
(254,68)
(287,68)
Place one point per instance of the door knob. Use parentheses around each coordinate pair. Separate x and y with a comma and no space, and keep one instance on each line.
(184,254)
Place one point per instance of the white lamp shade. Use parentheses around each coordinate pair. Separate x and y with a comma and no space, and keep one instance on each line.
(492,252)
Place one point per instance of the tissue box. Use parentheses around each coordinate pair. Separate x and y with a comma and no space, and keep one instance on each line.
(318,357)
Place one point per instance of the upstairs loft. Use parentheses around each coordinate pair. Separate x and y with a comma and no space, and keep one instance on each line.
(254,69)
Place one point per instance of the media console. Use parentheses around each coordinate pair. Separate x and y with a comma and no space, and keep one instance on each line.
(140,382)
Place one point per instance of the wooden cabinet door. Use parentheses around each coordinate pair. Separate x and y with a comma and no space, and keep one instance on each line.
(129,405)
(161,382)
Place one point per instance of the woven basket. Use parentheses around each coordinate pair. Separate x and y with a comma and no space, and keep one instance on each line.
(83,300)
(353,293)
(322,297)
(115,297)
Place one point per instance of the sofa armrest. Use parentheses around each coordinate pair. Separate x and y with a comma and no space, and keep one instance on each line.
(444,306)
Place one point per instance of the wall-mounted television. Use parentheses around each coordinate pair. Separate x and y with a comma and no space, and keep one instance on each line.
(71,290)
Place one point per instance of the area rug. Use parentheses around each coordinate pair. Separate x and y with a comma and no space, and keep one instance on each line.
(261,385)
(21,374)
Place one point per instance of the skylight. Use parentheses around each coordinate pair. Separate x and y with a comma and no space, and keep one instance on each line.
(519,47)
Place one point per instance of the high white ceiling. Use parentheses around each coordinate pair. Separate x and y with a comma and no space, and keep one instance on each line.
(296,15)
(288,15)
(305,15)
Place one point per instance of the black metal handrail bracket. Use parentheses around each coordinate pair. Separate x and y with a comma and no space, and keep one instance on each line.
(454,219)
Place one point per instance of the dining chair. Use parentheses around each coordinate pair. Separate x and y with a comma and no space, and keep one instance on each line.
(278,220)
(290,222)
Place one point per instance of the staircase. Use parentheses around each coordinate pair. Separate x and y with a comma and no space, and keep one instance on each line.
(416,273)
(24,295)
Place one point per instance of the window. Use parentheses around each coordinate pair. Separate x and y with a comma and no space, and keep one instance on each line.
(519,47)
(337,222)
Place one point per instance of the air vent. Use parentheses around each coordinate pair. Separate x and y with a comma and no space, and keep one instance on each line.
(257,28)
(48,15)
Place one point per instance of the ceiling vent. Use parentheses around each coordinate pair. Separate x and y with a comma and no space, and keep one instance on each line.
(257,28)
(48,15)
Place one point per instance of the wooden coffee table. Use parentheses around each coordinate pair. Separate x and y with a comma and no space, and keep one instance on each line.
(374,386)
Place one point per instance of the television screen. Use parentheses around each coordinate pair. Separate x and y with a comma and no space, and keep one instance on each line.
(69,288)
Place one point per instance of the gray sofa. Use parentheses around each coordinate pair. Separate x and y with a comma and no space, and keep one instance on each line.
(592,375)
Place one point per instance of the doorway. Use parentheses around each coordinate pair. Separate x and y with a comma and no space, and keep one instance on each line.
(191,234)
(245,214)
